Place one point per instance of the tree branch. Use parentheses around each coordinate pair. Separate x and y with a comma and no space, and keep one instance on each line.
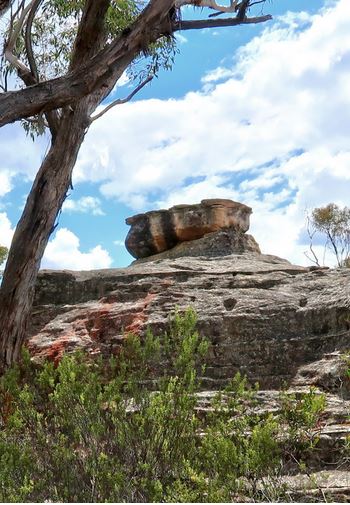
(209,3)
(120,101)
(28,40)
(90,29)
(31,77)
(22,70)
(149,26)
(217,23)
(153,23)
(242,9)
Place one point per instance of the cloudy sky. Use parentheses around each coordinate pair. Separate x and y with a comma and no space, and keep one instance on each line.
(258,114)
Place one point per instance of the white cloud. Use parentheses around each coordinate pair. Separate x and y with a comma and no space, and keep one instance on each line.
(85,205)
(63,252)
(6,232)
(5,183)
(19,154)
(181,38)
(122,81)
(217,74)
(273,135)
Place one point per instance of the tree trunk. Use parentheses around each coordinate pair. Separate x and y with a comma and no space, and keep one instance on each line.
(33,231)
(38,221)
(48,193)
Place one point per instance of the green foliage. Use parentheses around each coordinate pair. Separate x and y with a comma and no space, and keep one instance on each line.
(3,254)
(130,430)
(301,413)
(334,223)
(53,33)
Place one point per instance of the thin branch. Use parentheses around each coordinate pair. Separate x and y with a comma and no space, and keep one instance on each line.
(209,3)
(215,14)
(28,40)
(22,69)
(217,23)
(122,100)
(311,232)
(257,2)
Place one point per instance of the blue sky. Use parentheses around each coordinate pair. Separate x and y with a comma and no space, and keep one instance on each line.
(259,114)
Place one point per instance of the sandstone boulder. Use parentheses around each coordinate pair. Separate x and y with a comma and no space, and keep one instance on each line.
(158,231)
(221,243)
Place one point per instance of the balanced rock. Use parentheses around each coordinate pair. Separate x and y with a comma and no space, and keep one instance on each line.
(157,231)
(218,243)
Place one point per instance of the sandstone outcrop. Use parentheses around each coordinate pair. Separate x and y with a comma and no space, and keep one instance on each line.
(157,231)
(264,316)
(273,321)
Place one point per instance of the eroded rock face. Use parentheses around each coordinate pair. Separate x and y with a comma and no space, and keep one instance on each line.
(275,322)
(265,317)
(157,231)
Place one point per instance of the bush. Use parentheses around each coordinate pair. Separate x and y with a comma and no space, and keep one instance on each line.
(3,254)
(130,430)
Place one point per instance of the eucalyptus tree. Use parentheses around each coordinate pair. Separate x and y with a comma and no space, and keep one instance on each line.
(63,59)
(332,223)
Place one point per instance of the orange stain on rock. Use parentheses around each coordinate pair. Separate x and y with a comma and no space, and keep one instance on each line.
(140,317)
(98,325)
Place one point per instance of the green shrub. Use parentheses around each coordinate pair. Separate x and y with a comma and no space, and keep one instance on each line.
(130,430)
(3,254)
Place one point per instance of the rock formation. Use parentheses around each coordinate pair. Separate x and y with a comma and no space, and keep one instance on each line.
(160,230)
(273,321)
(264,316)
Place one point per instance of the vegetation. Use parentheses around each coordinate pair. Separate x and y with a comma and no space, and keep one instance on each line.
(3,254)
(333,223)
(132,430)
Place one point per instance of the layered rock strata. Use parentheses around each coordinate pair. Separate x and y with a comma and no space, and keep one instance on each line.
(157,231)
(275,322)
(264,317)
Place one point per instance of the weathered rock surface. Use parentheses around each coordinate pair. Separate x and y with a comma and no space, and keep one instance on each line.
(264,316)
(157,231)
(273,321)
(221,243)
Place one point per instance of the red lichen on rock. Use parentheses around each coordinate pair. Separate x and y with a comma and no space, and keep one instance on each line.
(140,317)
(98,321)
(93,327)
(53,352)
